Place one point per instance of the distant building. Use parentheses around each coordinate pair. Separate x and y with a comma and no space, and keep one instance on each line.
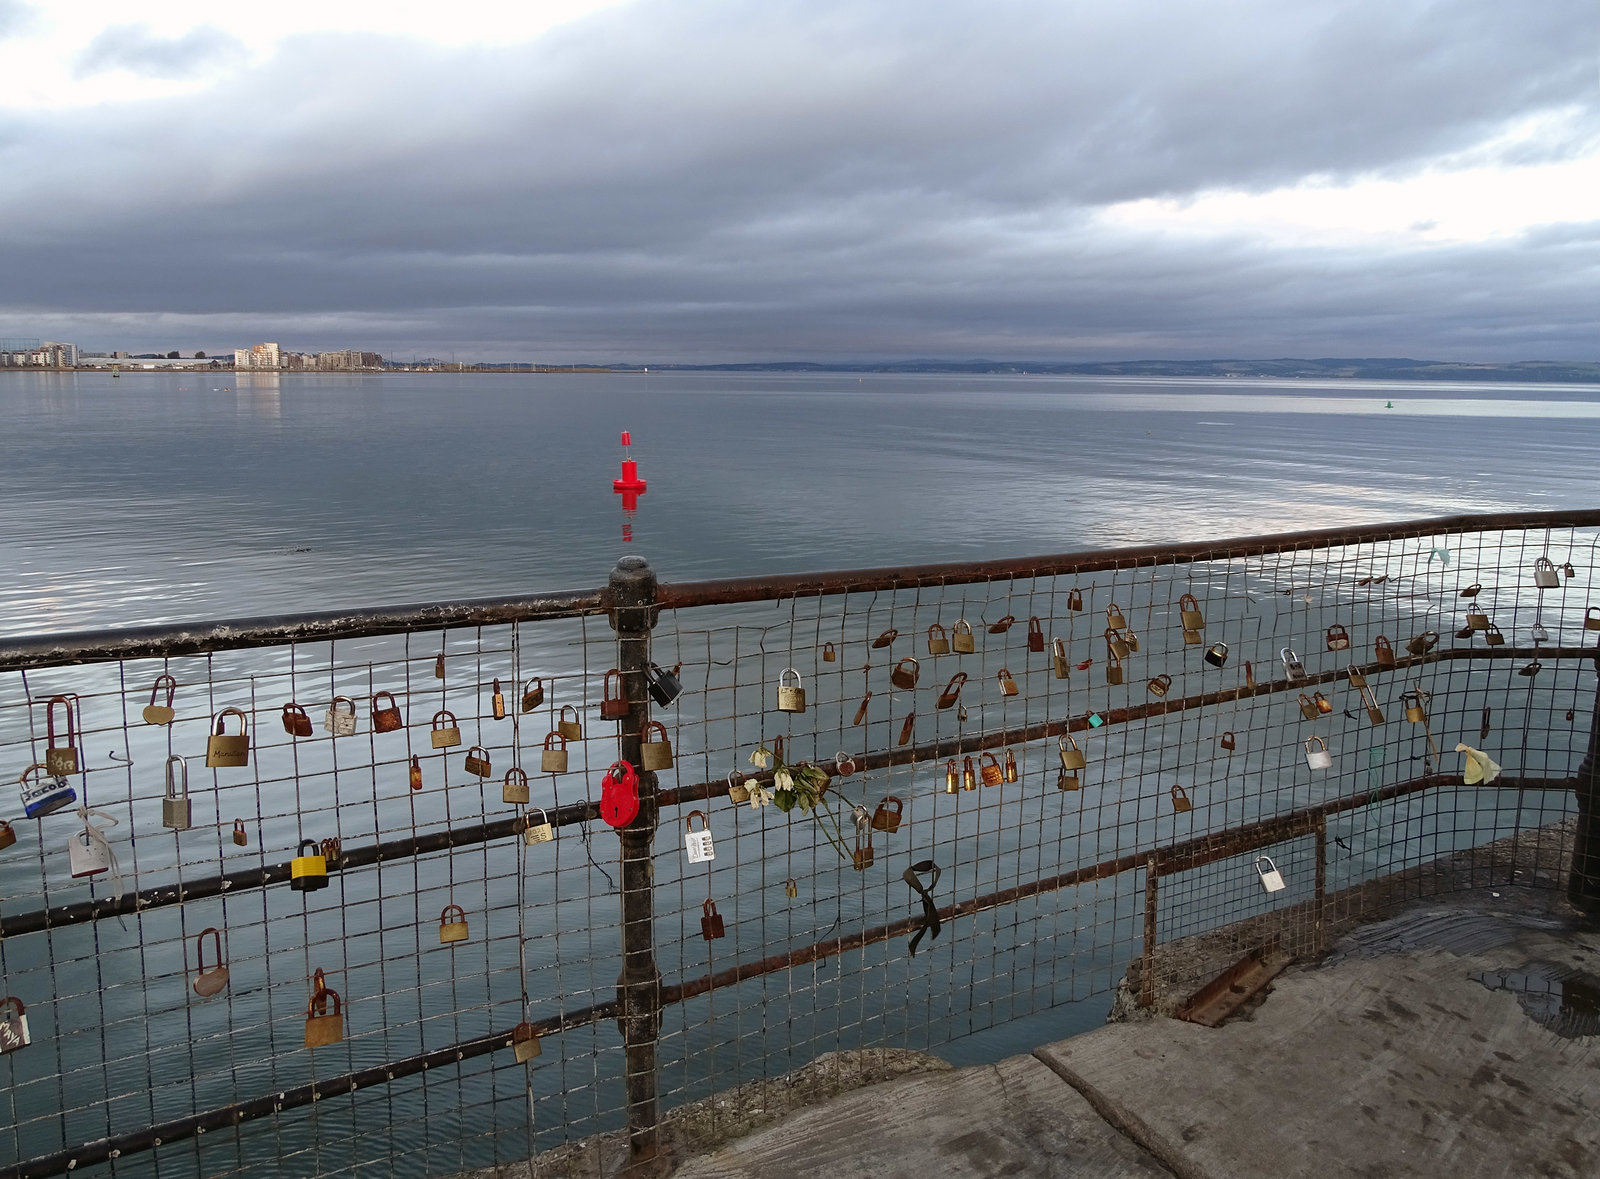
(257,356)
(348,359)
(16,353)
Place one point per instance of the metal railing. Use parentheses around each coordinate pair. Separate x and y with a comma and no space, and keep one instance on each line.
(1135,773)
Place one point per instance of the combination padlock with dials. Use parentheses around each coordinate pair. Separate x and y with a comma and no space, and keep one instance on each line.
(14,1032)
(1217,654)
(308,871)
(1180,799)
(414,773)
(1008,686)
(240,836)
(952,691)
(619,794)
(664,686)
(571,728)
(905,677)
(1159,685)
(613,704)
(515,787)
(322,1026)
(446,730)
(532,694)
(497,702)
(228,750)
(1382,652)
(176,809)
(61,746)
(990,770)
(1035,634)
(1189,613)
(48,794)
(1414,710)
(1317,755)
(697,843)
(341,717)
(541,832)
(829,655)
(1544,574)
(1423,643)
(887,816)
(296,722)
(477,762)
(1271,878)
(1012,770)
(161,714)
(938,641)
(525,1043)
(209,982)
(961,640)
(1116,646)
(710,921)
(1114,618)
(1292,666)
(386,715)
(452,924)
(1058,658)
(1003,625)
(791,697)
(1337,638)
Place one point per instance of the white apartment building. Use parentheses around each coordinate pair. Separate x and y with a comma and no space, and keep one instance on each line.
(257,356)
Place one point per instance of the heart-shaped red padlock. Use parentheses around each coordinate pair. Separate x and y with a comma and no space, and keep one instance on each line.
(619,795)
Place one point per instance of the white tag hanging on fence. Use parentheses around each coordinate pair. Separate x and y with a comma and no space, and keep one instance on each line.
(698,843)
(88,853)
(1271,878)
(1480,767)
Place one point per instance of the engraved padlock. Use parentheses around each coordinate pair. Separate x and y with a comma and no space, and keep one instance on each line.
(1058,658)
(571,728)
(452,924)
(553,757)
(1317,755)
(1382,652)
(710,921)
(446,731)
(1308,707)
(209,982)
(885,638)
(1071,756)
(322,1026)
(8,834)
(1035,634)
(1180,799)
(863,855)
(1114,618)
(1116,646)
(969,777)
(414,773)
(525,1043)
(1217,654)
(46,794)
(655,749)
(1292,666)
(308,871)
(341,717)
(1493,637)
(938,642)
(515,787)
(990,770)
(1008,686)
(1423,643)
(961,640)
(887,816)
(951,776)
(176,810)
(738,791)
(240,836)
(87,853)
(613,704)
(61,746)
(952,691)
(1544,574)
(1189,613)
(1271,878)
(829,655)
(161,714)
(228,750)
(532,694)
(1338,639)
(477,762)
(1158,685)
(1003,625)
(1113,670)
(386,715)
(1228,741)
(791,697)
(664,686)
(1414,712)
(541,832)
(14,1032)
(791,888)
(296,722)
(1075,600)
(497,702)
(1012,771)
(697,843)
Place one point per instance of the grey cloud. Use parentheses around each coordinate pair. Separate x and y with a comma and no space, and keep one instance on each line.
(139,50)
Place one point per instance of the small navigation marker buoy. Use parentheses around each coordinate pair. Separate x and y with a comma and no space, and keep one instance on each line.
(1389,406)
(630,487)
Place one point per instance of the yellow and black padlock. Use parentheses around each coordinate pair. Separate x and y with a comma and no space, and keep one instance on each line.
(515,788)
(1189,612)
(228,750)
(905,677)
(991,772)
(571,728)
(61,746)
(791,697)
(1158,685)
(308,871)
(938,641)
(655,748)
(296,721)
(532,694)
(885,818)
(161,714)
(961,640)
(1008,686)
(477,762)
(446,730)
(452,924)
(553,758)
(497,702)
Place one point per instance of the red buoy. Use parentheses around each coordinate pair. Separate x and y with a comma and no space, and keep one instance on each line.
(630,487)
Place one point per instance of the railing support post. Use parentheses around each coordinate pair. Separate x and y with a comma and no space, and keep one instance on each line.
(1147,969)
(1583,883)
(631,598)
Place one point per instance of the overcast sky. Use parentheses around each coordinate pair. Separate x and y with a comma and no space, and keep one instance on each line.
(696,180)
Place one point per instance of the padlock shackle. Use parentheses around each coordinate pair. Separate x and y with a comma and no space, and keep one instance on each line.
(12,1000)
(171,781)
(708,907)
(316,848)
(471,749)
(222,718)
(989,758)
(962,626)
(334,707)
(1321,741)
(1187,602)
(317,1006)
(167,682)
(1065,741)
(1035,627)
(650,727)
(544,816)
(936,627)
(448,715)
(1178,792)
(526,688)
(238,827)
(376,696)
(1271,866)
(520,774)
(705,823)
(200,947)
(605,684)
(444,914)
(67,706)
(565,708)
(789,671)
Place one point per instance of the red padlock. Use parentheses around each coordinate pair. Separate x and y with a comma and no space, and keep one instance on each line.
(619,795)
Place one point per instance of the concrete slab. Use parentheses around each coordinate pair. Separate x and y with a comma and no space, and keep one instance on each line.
(1384,1064)
(1015,1119)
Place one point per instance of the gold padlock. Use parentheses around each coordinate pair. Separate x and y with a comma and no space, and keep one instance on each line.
(532,694)
(228,750)
(1189,612)
(541,832)
(1158,685)
(1058,656)
(1013,771)
(477,762)
(951,776)
(1193,638)
(903,677)
(1008,686)
(553,758)
(571,729)
(1113,670)
(1180,799)
(1132,639)
(885,819)
(61,748)
(991,772)
(791,887)
(969,778)
(1414,712)
(446,731)
(655,754)
(438,666)
(240,837)
(938,641)
(791,698)
(1066,780)
(515,788)
(452,931)
(1114,618)
(161,714)
(386,715)
(1116,646)
(1071,756)
(497,702)
(1075,600)
(738,792)
(829,655)
(8,835)
(1357,679)
(322,1027)
(885,638)
(1308,707)
(961,640)
(1382,652)
(1374,713)
(525,1043)
(1492,636)
(1477,620)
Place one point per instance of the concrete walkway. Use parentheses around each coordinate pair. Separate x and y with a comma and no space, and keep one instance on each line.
(1457,1039)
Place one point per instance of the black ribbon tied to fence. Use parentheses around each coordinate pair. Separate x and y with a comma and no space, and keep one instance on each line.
(930,911)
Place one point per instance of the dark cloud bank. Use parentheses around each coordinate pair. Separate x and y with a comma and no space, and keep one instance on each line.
(804,179)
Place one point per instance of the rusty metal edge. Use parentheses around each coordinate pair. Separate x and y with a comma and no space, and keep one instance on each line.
(1260,965)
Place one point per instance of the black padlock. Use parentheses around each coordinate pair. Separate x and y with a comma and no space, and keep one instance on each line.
(664,684)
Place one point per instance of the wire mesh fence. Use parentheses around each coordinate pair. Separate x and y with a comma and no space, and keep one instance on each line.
(1032,775)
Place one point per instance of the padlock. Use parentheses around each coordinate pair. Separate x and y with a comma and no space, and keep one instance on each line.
(525,1043)
(1477,620)
(1544,574)
(907,727)
(1003,625)
(903,677)
(1012,770)
(885,638)
(45,796)
(87,853)
(664,686)
(791,888)
(1113,670)
(829,655)
(1228,741)
(1158,685)
(952,691)
(1338,638)
(1567,568)
(541,832)
(844,764)
(13,1025)
(532,694)
(225,750)
(331,851)
(1530,669)
(1374,713)
(515,787)
(863,855)
(950,776)
(777,749)
(969,778)
(1189,612)
(1423,643)
(1472,590)
(1271,878)
(1058,657)
(1071,756)
(308,871)
(414,773)
(161,714)
(209,982)
(386,716)
(1116,646)
(553,758)
(710,920)
(1217,654)
(61,749)
(497,702)
(698,843)
(1192,638)
(1292,666)
(990,770)
(477,762)
(176,810)
(613,704)
(1131,639)
(1114,618)
(961,640)
(619,794)
(8,834)
(1324,705)
(1493,637)
(295,721)
(1008,686)
(438,666)
(1180,799)
(1308,707)
(861,711)
(655,749)
(1035,634)
(885,819)
(446,731)
(341,722)
(571,730)
(1537,633)
(1357,679)
(1413,703)
(322,1026)
(738,792)
(790,698)
(452,931)
(938,643)
(1318,758)
(1075,600)
(1067,780)
(961,714)
(240,836)
(1484,726)
(1591,618)
(1382,652)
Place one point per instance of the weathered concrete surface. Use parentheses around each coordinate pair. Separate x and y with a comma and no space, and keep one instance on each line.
(1391,1060)
(1016,1118)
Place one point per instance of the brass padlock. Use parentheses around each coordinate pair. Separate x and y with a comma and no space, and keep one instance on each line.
(497,702)
(1035,634)
(515,787)
(861,711)
(1530,669)
(308,871)
(1192,638)
(863,854)
(961,641)
(1071,756)
(1116,646)
(1338,639)
(1308,707)
(323,1027)
(613,704)
(1413,703)
(446,731)
(885,638)
(452,930)
(1477,620)
(938,642)
(1217,654)
(386,716)
(1158,685)
(1067,780)
(541,832)
(1591,618)
(414,774)
(1008,686)
(829,655)
(1189,612)
(176,810)
(295,720)
(14,1032)
(969,778)
(952,691)
(240,836)
(341,722)
(161,714)
(1058,658)
(738,791)
(1075,600)
(1472,590)
(1003,625)
(1113,670)
(1114,618)
(790,698)
(951,776)
(1493,637)
(228,750)
(1324,705)
(1357,679)
(710,920)
(1374,713)
(1012,770)
(1423,643)
(1382,652)
(791,888)
(1228,741)
(571,729)
(1180,799)
(209,982)
(532,694)
(553,758)
(331,850)
(655,749)
(525,1043)
(990,770)
(904,677)
(884,819)
(477,762)
(438,666)
(8,834)
(61,748)
(1544,574)
(907,727)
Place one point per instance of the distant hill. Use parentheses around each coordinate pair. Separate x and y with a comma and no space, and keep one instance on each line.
(1362,368)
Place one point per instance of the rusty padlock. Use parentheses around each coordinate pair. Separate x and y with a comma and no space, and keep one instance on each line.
(1158,685)
(1075,600)
(446,733)
(161,714)
(1338,639)
(902,677)
(497,702)
(952,691)
(386,715)
(1308,707)
(209,982)
(322,1027)
(885,638)
(414,773)
(1180,799)
(515,787)
(655,749)
(791,697)
(61,747)
(1035,634)
(1113,670)
(990,770)
(1382,652)
(477,762)
(341,722)
(1324,705)
(1012,770)
(8,834)
(553,757)
(1008,686)
(710,921)
(228,750)
(532,694)
(844,764)
(1189,613)
(240,836)
(613,705)
(961,640)
(1228,741)
(884,819)
(1003,625)
(863,855)
(938,641)
(296,722)
(907,727)
(452,930)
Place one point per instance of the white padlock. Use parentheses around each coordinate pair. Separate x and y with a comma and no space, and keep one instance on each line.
(87,852)
(1292,666)
(1544,574)
(698,843)
(1271,878)
(341,722)
(1318,758)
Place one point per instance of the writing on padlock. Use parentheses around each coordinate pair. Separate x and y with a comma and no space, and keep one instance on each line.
(341,717)
(1189,613)
(698,842)
(532,694)
(515,787)
(44,793)
(938,641)
(540,832)
(1292,666)
(446,731)
(14,1032)
(791,697)
(961,640)
(228,750)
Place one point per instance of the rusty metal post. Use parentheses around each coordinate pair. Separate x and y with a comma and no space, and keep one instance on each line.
(1583,883)
(1147,971)
(631,600)
(1319,897)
